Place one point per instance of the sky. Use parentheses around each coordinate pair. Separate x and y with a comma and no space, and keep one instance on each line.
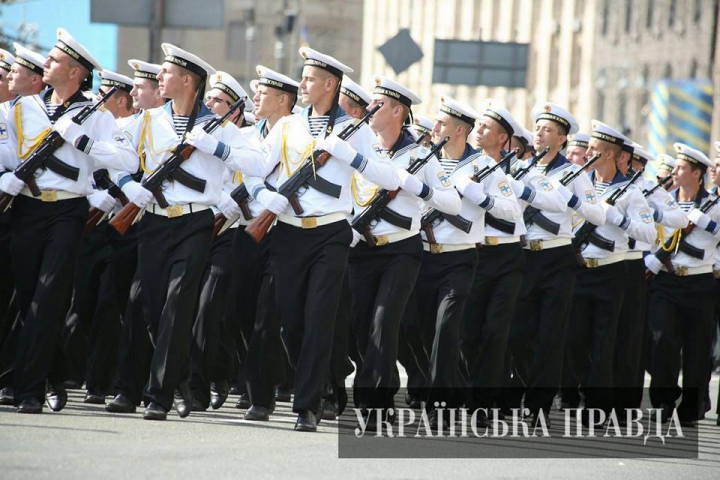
(74,15)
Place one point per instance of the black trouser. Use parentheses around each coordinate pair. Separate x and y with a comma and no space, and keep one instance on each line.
(114,292)
(415,345)
(537,332)
(340,365)
(442,291)
(381,279)
(592,330)
(309,266)
(135,349)
(264,364)
(172,253)
(90,269)
(681,319)
(6,277)
(486,322)
(629,342)
(45,241)
(211,309)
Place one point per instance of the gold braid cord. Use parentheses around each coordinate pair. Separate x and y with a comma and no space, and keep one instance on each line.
(146,137)
(26,146)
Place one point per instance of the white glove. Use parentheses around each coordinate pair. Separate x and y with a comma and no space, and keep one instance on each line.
(101,200)
(356,238)
(565,193)
(410,183)
(653,264)
(614,216)
(228,207)
(338,148)
(11,184)
(69,130)
(273,201)
(137,194)
(470,189)
(201,140)
(699,218)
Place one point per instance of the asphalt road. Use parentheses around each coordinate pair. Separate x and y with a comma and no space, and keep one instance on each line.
(83,441)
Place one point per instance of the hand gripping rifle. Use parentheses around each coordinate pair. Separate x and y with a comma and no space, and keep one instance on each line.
(43,153)
(664,254)
(384,197)
(534,215)
(588,229)
(241,196)
(260,225)
(102,180)
(433,215)
(536,158)
(126,216)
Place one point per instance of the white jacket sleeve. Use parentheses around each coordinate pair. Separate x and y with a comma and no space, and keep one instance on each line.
(666,211)
(537,190)
(236,150)
(638,222)
(373,168)
(501,201)
(585,200)
(442,195)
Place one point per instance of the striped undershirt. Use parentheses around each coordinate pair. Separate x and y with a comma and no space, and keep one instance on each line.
(686,206)
(51,108)
(317,124)
(180,123)
(600,187)
(448,164)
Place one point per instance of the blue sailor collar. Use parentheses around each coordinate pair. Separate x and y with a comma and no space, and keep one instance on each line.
(204,114)
(340,117)
(703,194)
(558,162)
(468,155)
(617,179)
(401,146)
(261,127)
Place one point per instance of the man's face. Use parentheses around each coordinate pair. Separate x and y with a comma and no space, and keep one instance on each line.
(715,173)
(352,108)
(170,80)
(145,93)
(21,80)
(5,78)
(313,85)
(576,154)
(385,115)
(488,134)
(444,126)
(684,175)
(523,153)
(637,166)
(218,101)
(56,69)
(596,146)
(548,134)
(267,101)
(113,103)
(623,162)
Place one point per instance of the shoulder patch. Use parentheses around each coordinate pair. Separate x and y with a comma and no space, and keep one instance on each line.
(265,149)
(670,202)
(645,216)
(505,188)
(379,150)
(121,139)
(3,131)
(444,179)
(590,197)
(545,185)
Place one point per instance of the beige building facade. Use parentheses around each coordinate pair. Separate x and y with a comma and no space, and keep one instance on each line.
(599,58)
(249,36)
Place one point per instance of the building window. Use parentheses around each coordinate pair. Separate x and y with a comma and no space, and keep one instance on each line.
(650,14)
(673,12)
(606,18)
(694,69)
(697,15)
(600,104)
(628,15)
(621,111)
(668,71)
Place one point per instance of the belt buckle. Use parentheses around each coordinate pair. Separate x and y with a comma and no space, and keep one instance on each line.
(174,211)
(681,271)
(48,195)
(716,274)
(491,241)
(381,240)
(592,262)
(436,248)
(536,245)
(308,222)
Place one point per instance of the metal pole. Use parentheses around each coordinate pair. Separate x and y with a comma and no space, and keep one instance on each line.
(156,27)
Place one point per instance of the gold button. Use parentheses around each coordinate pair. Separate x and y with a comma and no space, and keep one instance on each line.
(48,196)
(174,211)
(309,222)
